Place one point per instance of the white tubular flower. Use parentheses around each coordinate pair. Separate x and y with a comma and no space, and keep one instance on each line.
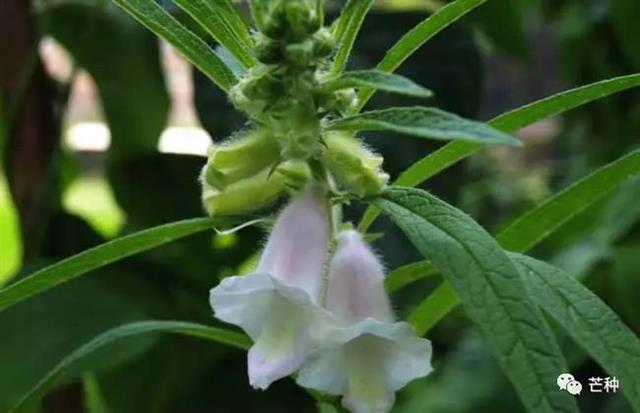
(278,304)
(371,356)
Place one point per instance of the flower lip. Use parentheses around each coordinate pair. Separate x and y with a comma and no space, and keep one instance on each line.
(367,363)
(245,300)
(285,325)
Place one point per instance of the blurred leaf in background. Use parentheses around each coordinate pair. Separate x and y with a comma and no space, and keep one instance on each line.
(10,252)
(91,198)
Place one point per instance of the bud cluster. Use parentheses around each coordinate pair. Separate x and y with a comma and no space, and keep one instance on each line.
(284,98)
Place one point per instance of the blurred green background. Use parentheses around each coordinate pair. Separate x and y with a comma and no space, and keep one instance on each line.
(103,130)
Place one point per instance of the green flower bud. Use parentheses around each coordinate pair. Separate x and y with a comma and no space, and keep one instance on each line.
(274,23)
(314,22)
(352,165)
(300,18)
(300,54)
(274,28)
(240,159)
(269,51)
(324,43)
(345,99)
(244,196)
(265,87)
(339,101)
(253,107)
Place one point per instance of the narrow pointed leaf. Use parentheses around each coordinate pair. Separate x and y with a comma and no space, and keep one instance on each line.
(418,36)
(93,398)
(377,80)
(491,290)
(407,274)
(221,20)
(511,121)
(532,227)
(193,48)
(218,335)
(430,123)
(433,308)
(346,30)
(259,11)
(589,321)
(97,257)
(535,225)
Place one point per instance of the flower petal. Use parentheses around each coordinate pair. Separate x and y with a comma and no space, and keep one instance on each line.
(281,346)
(283,322)
(367,363)
(297,247)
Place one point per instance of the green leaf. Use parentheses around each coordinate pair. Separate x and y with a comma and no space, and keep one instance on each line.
(37,334)
(536,224)
(346,30)
(221,20)
(588,320)
(93,398)
(491,291)
(418,36)
(218,335)
(11,251)
(430,123)
(507,122)
(97,257)
(407,274)
(532,227)
(433,308)
(377,80)
(194,49)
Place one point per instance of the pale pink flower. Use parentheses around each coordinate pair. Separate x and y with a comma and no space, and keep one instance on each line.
(278,304)
(367,357)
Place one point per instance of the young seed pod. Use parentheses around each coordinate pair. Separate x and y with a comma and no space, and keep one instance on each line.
(245,196)
(240,158)
(353,166)
(296,174)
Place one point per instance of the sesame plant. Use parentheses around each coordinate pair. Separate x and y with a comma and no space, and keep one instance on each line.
(318,307)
